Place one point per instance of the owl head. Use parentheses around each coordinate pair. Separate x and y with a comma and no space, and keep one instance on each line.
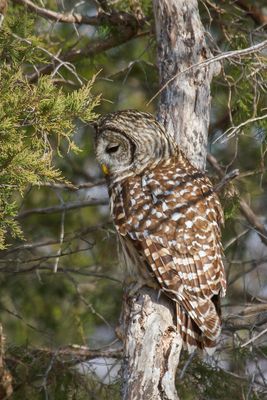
(129,141)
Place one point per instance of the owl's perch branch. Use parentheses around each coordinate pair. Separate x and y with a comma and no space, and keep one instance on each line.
(151,347)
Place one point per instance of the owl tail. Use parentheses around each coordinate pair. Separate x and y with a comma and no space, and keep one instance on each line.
(193,338)
(204,313)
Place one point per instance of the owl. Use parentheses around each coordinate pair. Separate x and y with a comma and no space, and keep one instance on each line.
(168,219)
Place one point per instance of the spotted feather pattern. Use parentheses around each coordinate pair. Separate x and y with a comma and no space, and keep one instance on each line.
(168,219)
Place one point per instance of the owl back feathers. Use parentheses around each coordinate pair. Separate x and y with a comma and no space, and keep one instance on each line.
(172,218)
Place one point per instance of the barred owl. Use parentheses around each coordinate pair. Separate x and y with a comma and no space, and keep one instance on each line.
(168,219)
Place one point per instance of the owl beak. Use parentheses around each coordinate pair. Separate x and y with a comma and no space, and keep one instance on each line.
(105,169)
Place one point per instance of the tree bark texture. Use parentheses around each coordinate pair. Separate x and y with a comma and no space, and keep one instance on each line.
(184,107)
(151,347)
(6,389)
(152,344)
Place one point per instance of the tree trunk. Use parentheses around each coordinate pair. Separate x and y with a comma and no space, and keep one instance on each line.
(184,107)
(152,344)
(6,389)
(151,347)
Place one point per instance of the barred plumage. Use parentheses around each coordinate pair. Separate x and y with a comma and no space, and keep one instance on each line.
(168,220)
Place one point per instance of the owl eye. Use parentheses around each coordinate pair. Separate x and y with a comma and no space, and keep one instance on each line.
(112,149)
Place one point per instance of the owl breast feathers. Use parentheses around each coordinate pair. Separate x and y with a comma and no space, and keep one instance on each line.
(168,220)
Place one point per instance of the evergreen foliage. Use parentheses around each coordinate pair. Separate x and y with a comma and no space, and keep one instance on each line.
(34,121)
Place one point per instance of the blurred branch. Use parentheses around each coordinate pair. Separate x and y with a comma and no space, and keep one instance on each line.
(68,238)
(71,186)
(95,47)
(234,324)
(58,61)
(114,18)
(226,179)
(230,132)
(244,207)
(253,220)
(248,318)
(80,271)
(241,274)
(67,207)
(72,353)
(254,338)
(254,12)
(18,316)
(126,25)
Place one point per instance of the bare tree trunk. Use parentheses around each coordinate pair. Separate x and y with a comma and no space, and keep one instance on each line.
(184,107)
(6,389)
(151,347)
(152,344)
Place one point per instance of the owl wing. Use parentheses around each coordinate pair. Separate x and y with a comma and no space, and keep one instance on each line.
(173,216)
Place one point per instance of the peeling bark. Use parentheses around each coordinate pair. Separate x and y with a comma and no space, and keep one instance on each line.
(152,344)
(151,347)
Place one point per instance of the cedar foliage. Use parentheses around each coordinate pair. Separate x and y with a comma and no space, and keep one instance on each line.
(34,120)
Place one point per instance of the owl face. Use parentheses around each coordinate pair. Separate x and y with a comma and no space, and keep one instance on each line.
(129,141)
(114,151)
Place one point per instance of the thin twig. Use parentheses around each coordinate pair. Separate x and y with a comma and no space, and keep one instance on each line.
(71,186)
(70,67)
(114,18)
(67,207)
(226,179)
(230,132)
(61,239)
(226,55)
(254,338)
(244,207)
(95,47)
